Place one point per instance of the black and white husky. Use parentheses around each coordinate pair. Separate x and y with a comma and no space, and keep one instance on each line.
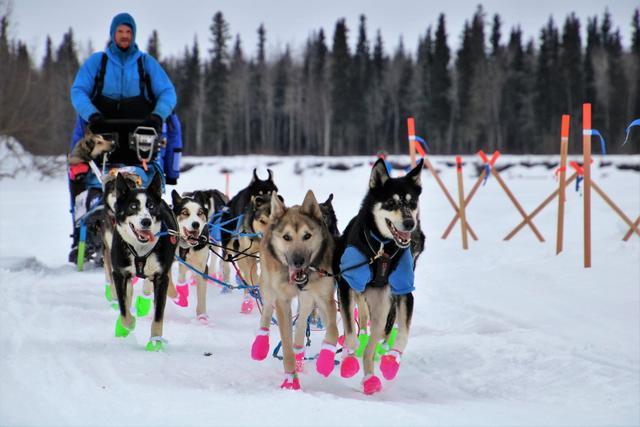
(375,257)
(143,247)
(192,213)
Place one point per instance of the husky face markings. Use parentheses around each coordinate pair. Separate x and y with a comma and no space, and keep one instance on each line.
(395,204)
(297,242)
(192,214)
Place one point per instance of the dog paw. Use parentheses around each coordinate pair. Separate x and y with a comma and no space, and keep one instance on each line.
(156,344)
(143,305)
(122,330)
(389,365)
(183,295)
(299,359)
(291,382)
(203,318)
(371,385)
(325,361)
(247,306)
(260,347)
(349,366)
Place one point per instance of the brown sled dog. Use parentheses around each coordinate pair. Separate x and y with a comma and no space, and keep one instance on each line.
(295,245)
(90,147)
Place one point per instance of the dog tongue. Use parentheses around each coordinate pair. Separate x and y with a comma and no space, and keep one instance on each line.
(147,234)
(293,274)
(405,235)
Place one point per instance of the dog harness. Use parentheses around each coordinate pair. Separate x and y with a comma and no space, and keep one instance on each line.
(359,272)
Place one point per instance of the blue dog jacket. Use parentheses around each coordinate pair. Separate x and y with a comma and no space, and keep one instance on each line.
(400,279)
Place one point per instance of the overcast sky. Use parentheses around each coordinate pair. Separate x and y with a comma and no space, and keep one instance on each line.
(288,21)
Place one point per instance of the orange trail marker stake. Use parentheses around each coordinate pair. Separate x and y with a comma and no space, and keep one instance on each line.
(463,220)
(564,147)
(472,193)
(411,130)
(586,165)
(427,163)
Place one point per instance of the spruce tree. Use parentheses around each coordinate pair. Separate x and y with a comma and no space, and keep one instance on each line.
(153,45)
(217,100)
(340,90)
(441,90)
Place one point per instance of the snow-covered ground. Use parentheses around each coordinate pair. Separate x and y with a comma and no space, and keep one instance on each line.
(505,333)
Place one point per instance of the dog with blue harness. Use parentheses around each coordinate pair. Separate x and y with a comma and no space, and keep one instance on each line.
(375,260)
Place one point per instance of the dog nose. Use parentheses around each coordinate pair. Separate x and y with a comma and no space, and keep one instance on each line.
(195,225)
(145,222)
(298,261)
(408,224)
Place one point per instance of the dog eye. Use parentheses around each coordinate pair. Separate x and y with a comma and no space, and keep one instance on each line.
(200,212)
(150,205)
(306,236)
(184,212)
(287,237)
(262,221)
(133,206)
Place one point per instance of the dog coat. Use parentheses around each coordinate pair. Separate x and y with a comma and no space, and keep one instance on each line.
(400,279)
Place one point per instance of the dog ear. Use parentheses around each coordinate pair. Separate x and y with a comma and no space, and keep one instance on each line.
(379,174)
(255,176)
(156,185)
(175,198)
(122,187)
(277,207)
(415,173)
(329,199)
(311,207)
(270,175)
(203,199)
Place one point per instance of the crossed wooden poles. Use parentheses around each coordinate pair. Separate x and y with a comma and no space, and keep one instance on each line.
(581,172)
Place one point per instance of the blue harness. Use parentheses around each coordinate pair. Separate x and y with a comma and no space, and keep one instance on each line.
(357,270)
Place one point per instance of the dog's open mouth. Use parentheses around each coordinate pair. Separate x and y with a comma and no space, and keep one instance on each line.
(298,276)
(402,238)
(191,236)
(143,236)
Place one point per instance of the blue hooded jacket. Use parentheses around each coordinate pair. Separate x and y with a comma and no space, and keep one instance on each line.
(122,79)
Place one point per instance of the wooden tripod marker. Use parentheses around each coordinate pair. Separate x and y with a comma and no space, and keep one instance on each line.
(461,214)
(472,193)
(412,138)
(513,199)
(631,230)
(411,130)
(564,148)
(586,152)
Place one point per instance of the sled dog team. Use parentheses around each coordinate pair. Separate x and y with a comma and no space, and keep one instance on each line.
(301,255)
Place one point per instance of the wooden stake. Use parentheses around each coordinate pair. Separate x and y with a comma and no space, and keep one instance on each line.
(446,193)
(226,186)
(564,148)
(463,220)
(630,232)
(586,152)
(616,209)
(472,193)
(411,128)
(539,209)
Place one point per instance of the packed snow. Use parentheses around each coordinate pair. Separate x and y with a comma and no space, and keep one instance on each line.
(505,333)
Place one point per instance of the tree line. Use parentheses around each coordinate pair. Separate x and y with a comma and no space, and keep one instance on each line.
(494,93)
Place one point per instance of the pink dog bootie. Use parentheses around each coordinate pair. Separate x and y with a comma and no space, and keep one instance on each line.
(182,288)
(371,384)
(247,305)
(291,382)
(389,364)
(349,366)
(260,347)
(299,352)
(325,361)
(203,318)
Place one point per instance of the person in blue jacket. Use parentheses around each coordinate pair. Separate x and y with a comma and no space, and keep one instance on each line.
(123,83)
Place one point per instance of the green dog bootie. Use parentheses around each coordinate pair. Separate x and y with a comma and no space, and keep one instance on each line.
(384,347)
(107,292)
(121,330)
(156,344)
(364,340)
(143,305)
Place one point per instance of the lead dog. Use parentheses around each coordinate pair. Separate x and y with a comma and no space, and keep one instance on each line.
(376,264)
(295,245)
(142,246)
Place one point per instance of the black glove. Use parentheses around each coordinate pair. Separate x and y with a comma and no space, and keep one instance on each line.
(96,120)
(153,121)
(172,181)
